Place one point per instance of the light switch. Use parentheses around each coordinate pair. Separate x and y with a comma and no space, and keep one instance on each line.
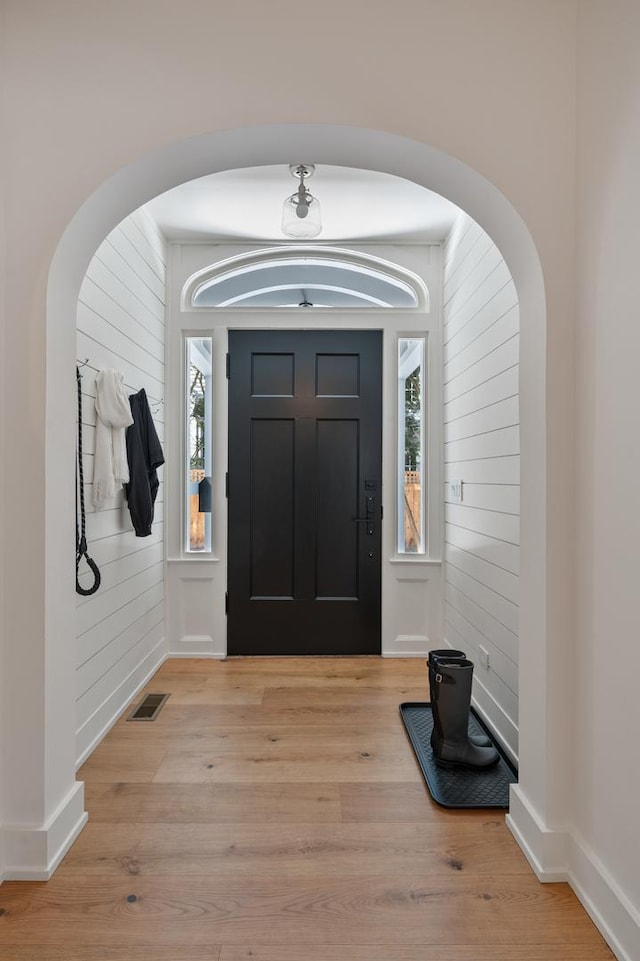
(455,491)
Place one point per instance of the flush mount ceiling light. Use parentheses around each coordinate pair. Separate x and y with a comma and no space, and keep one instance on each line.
(301,211)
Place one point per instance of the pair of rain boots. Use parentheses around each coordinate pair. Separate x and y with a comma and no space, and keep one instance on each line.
(450,677)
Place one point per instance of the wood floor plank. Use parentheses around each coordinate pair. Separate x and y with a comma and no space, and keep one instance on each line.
(286,673)
(235,693)
(195,910)
(393,951)
(276,740)
(152,951)
(205,803)
(176,719)
(315,670)
(335,681)
(319,850)
(408,801)
(112,760)
(368,758)
(219,688)
(261,755)
(390,696)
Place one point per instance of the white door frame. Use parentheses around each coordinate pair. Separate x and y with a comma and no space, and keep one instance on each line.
(196,585)
(412,601)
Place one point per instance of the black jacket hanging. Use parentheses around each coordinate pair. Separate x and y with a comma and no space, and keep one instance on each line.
(144,454)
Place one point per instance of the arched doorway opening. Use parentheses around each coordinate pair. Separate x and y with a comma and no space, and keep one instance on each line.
(536,798)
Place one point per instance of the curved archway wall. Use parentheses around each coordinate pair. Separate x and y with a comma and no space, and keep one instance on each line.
(43,807)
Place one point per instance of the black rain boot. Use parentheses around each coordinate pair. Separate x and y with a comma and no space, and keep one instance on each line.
(452,747)
(481,740)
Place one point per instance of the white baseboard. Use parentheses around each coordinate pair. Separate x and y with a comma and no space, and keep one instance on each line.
(564,856)
(407,645)
(33,854)
(206,655)
(103,719)
(197,645)
(545,850)
(611,911)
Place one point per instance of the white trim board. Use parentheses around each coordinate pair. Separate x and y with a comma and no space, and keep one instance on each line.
(604,901)
(565,856)
(411,594)
(544,849)
(33,853)
(408,645)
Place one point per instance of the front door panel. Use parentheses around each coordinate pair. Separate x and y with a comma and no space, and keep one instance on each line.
(305,462)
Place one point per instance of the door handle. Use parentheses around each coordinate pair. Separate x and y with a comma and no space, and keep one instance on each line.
(370,514)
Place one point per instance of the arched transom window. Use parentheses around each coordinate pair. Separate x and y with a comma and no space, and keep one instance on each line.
(313,277)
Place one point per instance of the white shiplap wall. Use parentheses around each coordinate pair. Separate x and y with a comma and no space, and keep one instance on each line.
(482,448)
(120,629)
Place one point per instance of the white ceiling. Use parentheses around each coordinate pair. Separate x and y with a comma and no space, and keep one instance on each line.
(357,205)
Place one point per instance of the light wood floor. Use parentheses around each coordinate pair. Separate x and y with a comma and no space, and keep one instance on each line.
(274,812)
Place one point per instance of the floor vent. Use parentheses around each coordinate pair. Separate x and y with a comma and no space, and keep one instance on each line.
(148,708)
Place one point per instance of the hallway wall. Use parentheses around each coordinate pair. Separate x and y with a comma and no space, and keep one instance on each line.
(120,629)
(605,850)
(482,448)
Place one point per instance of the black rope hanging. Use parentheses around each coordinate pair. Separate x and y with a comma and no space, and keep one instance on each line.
(81,537)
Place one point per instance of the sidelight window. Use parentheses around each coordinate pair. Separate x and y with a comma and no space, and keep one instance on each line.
(198,410)
(411,445)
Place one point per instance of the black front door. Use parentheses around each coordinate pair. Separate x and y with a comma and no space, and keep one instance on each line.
(305,463)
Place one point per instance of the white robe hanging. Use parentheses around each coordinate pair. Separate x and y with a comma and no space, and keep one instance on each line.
(113,415)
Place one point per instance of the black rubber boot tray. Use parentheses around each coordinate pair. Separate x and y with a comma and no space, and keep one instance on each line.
(457,787)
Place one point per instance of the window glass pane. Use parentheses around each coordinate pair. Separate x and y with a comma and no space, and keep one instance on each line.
(306,281)
(411,431)
(198,443)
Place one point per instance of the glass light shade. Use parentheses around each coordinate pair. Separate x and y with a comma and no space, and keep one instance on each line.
(301,216)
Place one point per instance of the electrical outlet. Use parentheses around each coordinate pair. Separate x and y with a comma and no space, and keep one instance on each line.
(484,657)
(455,491)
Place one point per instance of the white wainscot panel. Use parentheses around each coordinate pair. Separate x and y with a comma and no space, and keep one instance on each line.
(412,610)
(192,599)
